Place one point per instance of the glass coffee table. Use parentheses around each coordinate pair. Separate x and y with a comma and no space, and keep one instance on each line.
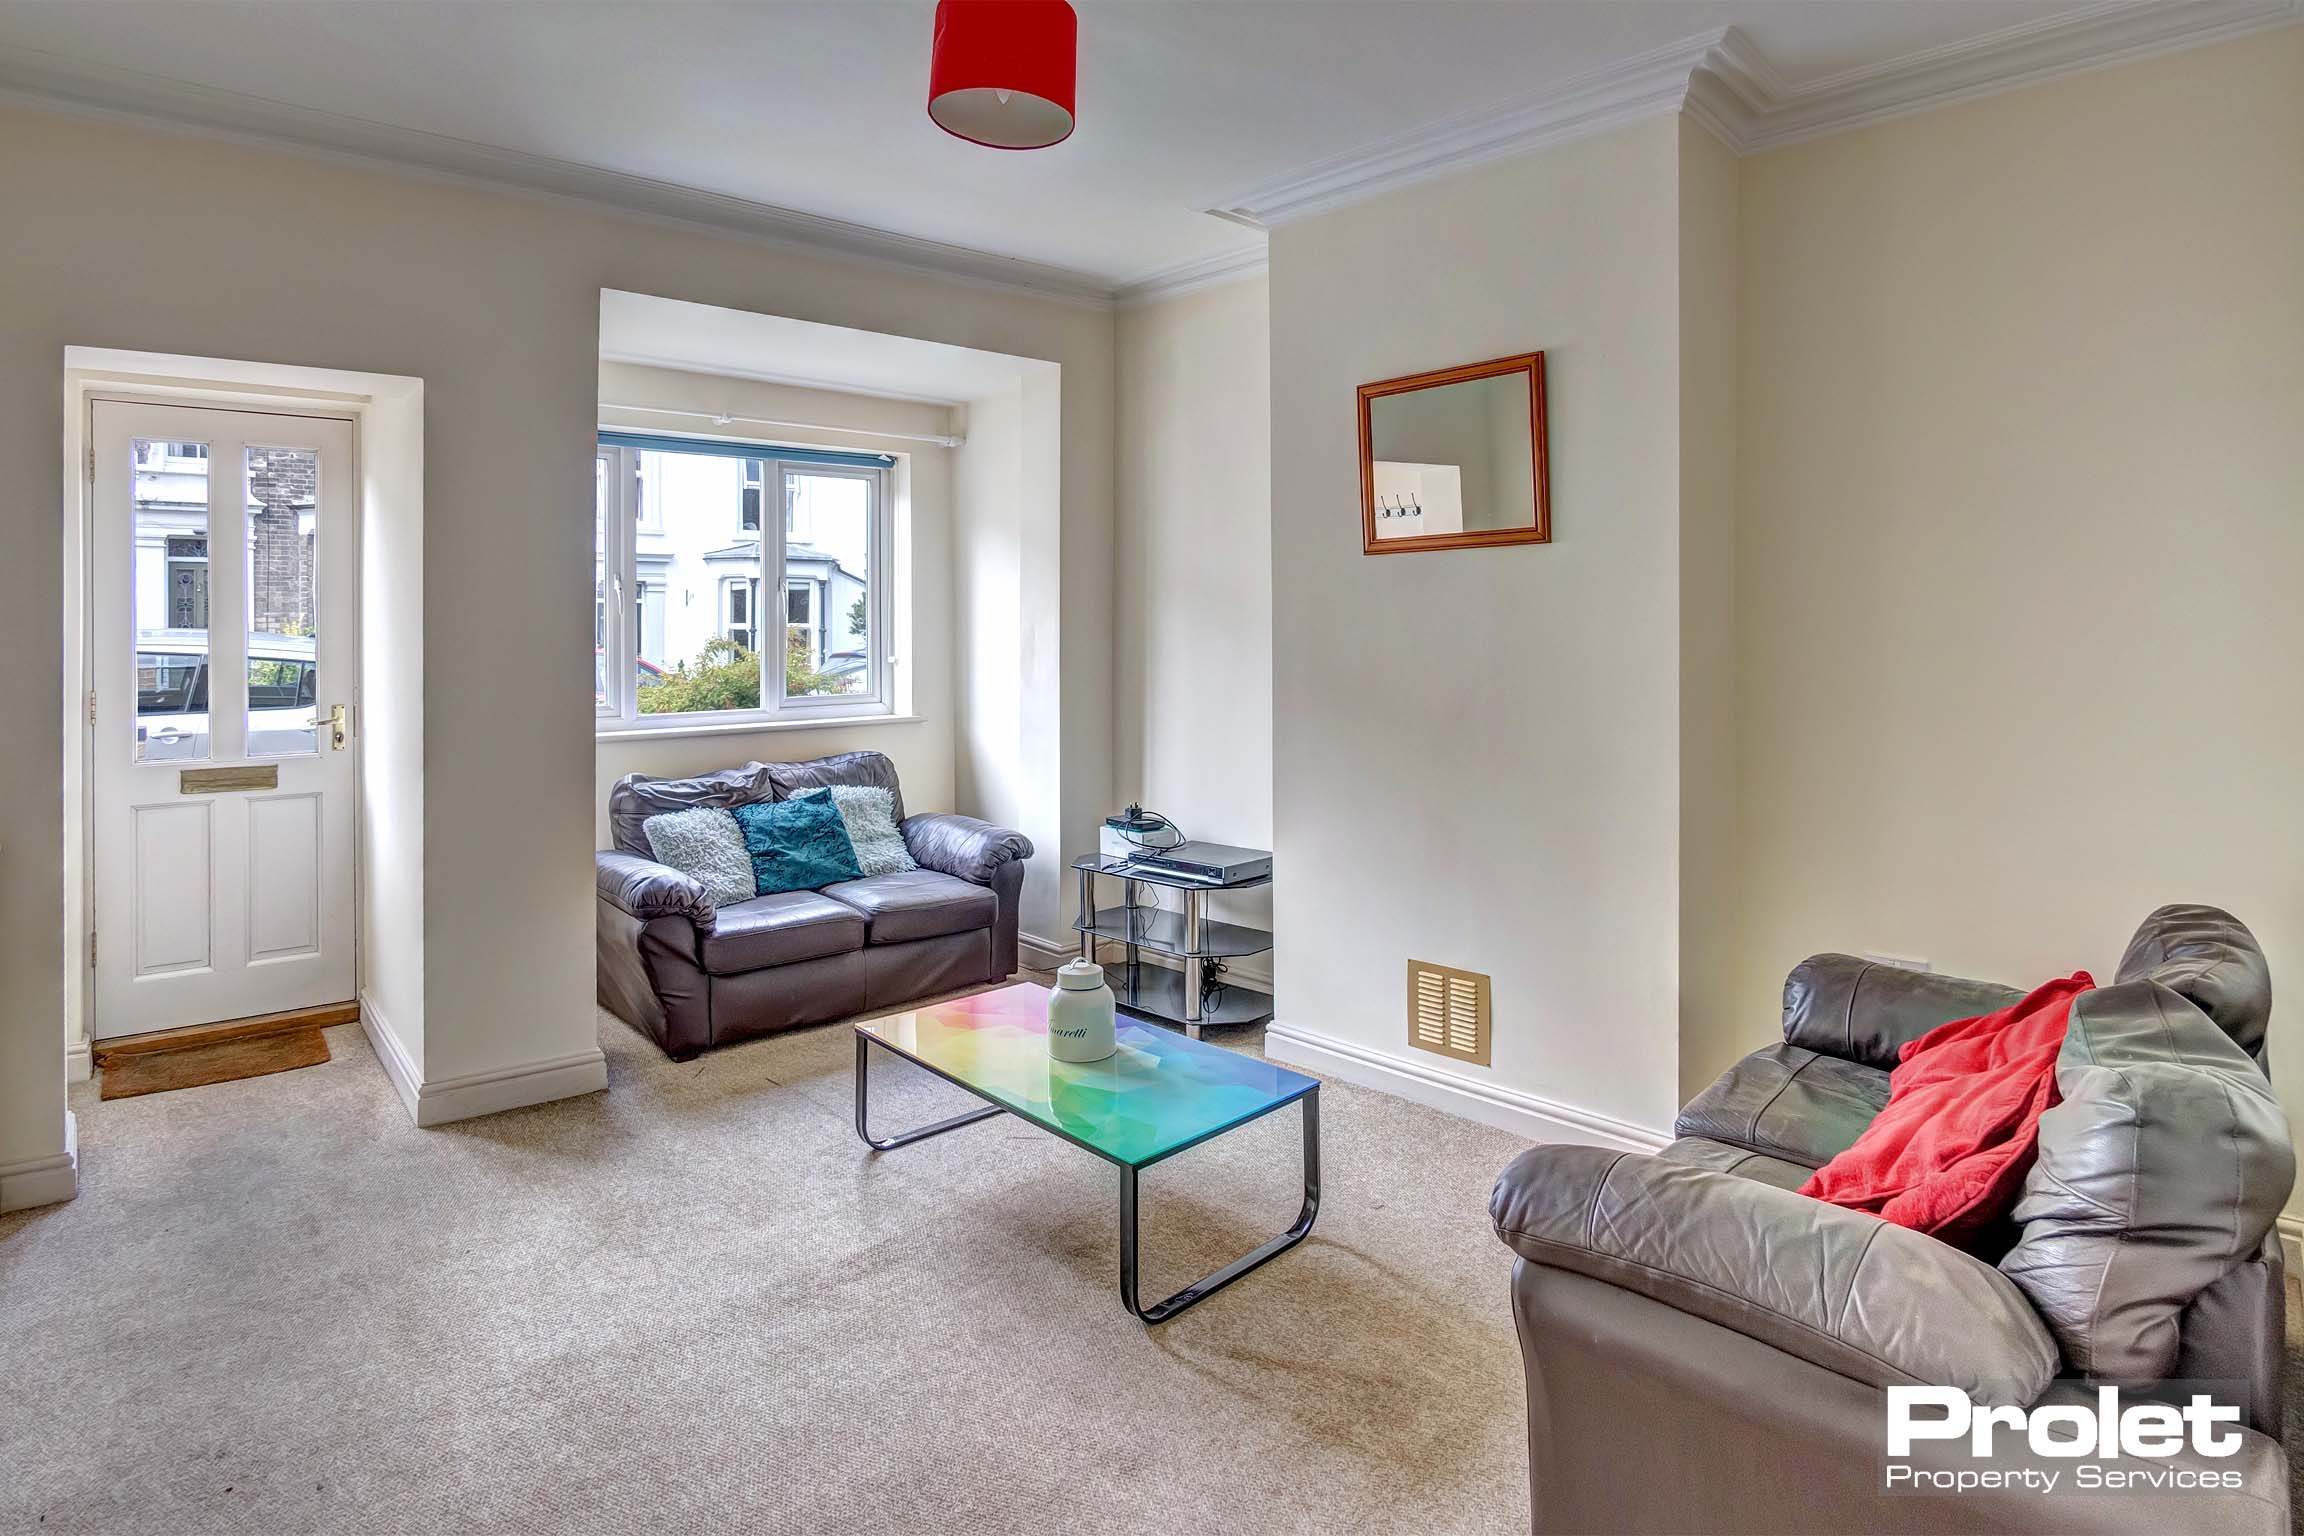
(1159,1094)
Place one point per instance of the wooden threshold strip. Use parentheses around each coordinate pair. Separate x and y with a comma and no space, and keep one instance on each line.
(231,1029)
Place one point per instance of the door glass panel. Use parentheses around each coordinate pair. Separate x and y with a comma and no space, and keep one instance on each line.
(170,481)
(283,513)
(827,599)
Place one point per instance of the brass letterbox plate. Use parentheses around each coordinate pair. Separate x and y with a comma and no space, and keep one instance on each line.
(224,781)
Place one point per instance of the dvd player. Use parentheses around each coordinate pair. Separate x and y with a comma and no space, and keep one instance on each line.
(1216,863)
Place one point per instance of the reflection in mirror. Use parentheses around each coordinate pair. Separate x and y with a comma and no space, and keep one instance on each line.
(1454,458)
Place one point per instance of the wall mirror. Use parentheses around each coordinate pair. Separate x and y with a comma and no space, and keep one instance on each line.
(1455,458)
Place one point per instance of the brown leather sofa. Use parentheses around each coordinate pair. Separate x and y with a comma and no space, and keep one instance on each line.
(1708,1351)
(692,976)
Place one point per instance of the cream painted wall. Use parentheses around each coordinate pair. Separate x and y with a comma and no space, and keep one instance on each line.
(987,593)
(492,300)
(1710,850)
(1014,641)
(1075,651)
(2021,528)
(1985,430)
(1193,662)
(1011,628)
(1506,801)
(391,722)
(922,749)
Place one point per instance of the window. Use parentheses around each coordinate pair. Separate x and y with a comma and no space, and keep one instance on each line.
(797,523)
(739,603)
(800,620)
(171,684)
(647,510)
(684,555)
(277,684)
(187,581)
(754,471)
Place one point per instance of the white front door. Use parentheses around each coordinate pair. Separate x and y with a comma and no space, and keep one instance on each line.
(220,641)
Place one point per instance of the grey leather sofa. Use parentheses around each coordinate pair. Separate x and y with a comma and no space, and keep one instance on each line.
(1708,1351)
(692,976)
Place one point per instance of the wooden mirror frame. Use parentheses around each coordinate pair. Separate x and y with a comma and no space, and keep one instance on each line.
(1539,458)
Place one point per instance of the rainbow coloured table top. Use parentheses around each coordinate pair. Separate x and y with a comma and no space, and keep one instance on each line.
(1158,1094)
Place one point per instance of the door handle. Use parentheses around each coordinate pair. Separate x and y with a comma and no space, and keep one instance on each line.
(336,727)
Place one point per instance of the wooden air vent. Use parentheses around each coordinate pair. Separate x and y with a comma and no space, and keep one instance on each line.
(1448,1011)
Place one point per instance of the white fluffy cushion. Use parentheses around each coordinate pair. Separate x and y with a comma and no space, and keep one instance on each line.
(707,845)
(871,817)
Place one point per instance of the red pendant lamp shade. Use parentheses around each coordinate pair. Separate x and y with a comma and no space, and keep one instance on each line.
(1002,71)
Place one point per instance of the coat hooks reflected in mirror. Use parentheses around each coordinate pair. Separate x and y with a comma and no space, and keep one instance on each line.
(1455,459)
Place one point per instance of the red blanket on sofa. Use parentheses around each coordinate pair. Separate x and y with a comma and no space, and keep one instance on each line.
(1949,1153)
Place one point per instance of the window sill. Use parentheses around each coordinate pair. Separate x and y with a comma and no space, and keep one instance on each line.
(621,732)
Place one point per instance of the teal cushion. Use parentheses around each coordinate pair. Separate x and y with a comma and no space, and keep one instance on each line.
(797,844)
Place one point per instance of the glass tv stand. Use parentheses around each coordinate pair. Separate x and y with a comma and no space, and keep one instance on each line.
(1184,996)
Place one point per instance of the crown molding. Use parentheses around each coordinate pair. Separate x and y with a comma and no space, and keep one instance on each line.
(2093,37)
(1646,85)
(1718,78)
(1729,87)
(1192,276)
(52,83)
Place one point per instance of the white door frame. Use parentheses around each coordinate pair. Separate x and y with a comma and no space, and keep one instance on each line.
(87,391)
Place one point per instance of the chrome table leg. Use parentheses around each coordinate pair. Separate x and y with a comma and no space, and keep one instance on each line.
(1208,1285)
(904,1138)
(1194,985)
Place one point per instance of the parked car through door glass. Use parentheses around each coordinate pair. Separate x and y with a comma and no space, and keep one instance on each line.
(172,696)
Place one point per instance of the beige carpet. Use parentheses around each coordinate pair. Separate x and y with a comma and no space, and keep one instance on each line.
(696,1302)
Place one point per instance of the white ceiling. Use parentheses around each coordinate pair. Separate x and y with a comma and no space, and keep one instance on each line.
(820,107)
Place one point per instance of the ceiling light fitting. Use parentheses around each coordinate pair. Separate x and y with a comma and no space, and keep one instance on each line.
(1001,72)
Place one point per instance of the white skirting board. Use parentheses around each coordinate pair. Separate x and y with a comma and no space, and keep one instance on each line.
(1523,1114)
(2292,1243)
(389,1055)
(43,1180)
(1038,954)
(479,1093)
(79,1061)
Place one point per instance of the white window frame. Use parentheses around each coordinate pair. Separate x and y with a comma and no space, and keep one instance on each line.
(619,712)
